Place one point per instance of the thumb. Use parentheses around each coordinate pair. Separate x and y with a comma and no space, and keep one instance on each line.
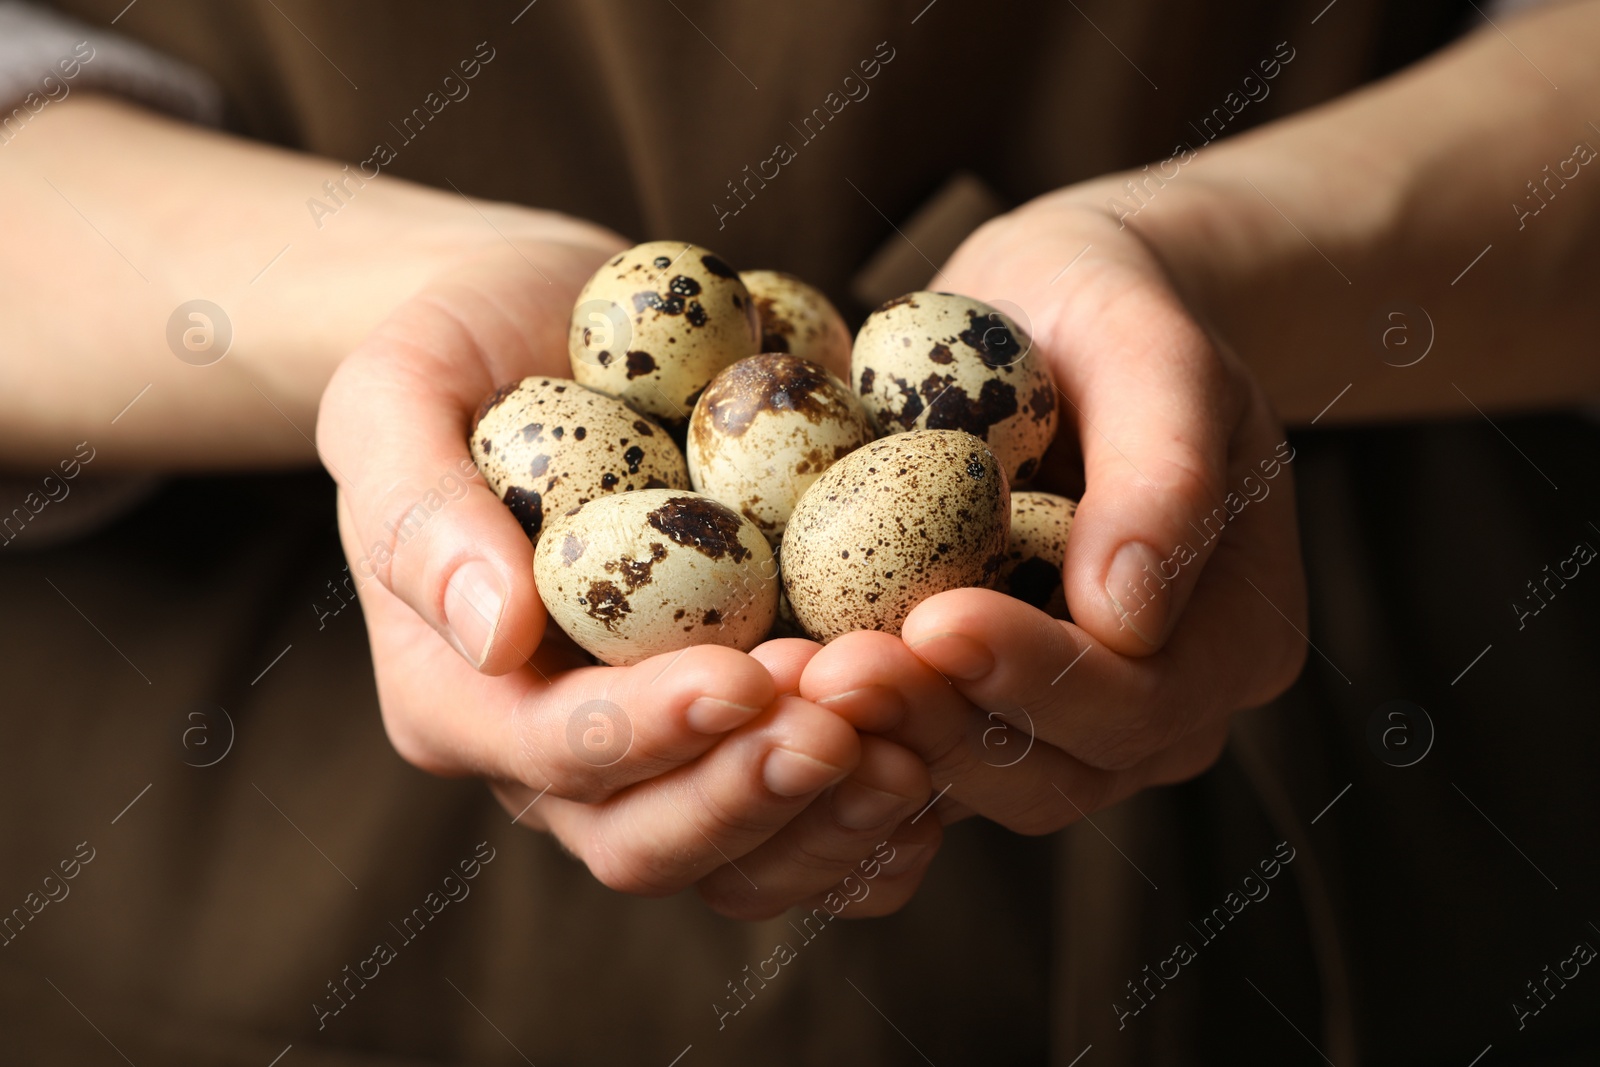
(393,430)
(1156,406)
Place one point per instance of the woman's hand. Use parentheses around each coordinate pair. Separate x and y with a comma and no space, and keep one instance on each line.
(696,766)
(1182,571)
(1288,241)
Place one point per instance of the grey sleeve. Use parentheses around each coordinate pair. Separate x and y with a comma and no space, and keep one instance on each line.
(45,57)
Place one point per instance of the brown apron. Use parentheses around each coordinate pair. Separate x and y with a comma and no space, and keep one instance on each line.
(237,903)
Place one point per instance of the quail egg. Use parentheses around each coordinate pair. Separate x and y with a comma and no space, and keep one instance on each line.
(892,524)
(765,429)
(1040,523)
(796,318)
(656,323)
(633,575)
(545,445)
(941,361)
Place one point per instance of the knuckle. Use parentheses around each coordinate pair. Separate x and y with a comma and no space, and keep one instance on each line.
(951,753)
(564,775)
(1161,709)
(1129,740)
(410,743)
(387,525)
(723,822)
(1042,814)
(1187,474)
(1090,793)
(1195,759)
(820,852)
(634,867)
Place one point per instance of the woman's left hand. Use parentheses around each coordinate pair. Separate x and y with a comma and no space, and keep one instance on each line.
(1182,571)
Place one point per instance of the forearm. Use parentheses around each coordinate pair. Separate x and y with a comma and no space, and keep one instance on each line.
(1295,240)
(113,217)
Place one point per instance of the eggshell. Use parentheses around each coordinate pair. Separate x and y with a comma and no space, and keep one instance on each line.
(796,318)
(765,429)
(892,524)
(941,361)
(633,575)
(545,445)
(1040,524)
(656,323)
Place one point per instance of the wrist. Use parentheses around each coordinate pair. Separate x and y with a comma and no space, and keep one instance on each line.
(1266,239)
(189,214)
(333,286)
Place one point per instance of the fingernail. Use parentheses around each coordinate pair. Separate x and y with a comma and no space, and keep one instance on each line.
(956,655)
(861,807)
(872,707)
(789,774)
(1138,592)
(474,599)
(707,715)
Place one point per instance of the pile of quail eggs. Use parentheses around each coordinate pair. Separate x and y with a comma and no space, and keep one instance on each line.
(705,478)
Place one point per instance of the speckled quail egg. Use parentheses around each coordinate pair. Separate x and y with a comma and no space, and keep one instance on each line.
(796,318)
(940,361)
(656,323)
(765,429)
(545,445)
(633,575)
(892,524)
(1040,523)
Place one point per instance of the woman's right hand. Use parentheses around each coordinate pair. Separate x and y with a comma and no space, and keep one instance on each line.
(656,775)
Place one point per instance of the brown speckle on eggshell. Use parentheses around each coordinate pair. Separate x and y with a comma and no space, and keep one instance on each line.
(656,323)
(634,575)
(1040,525)
(891,524)
(765,429)
(798,319)
(546,445)
(941,361)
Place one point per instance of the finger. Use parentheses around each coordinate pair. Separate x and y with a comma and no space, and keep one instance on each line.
(882,883)
(1012,660)
(1112,711)
(1006,773)
(659,836)
(1156,408)
(825,842)
(393,430)
(1191,757)
(785,659)
(996,767)
(582,733)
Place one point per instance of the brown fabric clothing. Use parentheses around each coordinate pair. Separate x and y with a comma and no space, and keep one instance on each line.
(218,906)
(222,904)
(639,115)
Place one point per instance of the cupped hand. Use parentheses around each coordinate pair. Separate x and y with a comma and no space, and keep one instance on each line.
(697,766)
(1182,571)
